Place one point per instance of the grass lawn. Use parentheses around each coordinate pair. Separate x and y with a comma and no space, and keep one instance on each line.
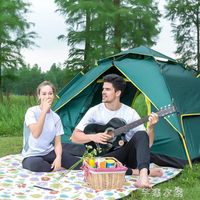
(10,145)
(183,187)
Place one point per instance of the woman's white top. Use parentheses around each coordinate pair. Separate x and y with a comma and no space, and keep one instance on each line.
(43,144)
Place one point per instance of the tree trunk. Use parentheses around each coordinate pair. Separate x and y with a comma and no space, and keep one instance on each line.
(117,28)
(87,39)
(104,41)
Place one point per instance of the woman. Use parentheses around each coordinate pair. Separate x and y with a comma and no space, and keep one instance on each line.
(41,127)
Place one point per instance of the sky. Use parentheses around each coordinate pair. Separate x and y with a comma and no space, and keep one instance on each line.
(50,24)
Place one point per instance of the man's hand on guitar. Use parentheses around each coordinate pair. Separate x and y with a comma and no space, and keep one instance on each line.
(153,119)
(101,138)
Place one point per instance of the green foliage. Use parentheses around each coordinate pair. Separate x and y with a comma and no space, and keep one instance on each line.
(100,28)
(184,17)
(56,76)
(13,35)
(28,78)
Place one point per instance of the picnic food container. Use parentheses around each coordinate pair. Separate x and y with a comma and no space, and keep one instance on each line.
(104,178)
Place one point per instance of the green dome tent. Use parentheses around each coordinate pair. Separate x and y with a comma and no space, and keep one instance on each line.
(163,81)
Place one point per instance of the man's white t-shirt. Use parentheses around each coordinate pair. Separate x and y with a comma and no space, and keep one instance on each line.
(52,128)
(101,115)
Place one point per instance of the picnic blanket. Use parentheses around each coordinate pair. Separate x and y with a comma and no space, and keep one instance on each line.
(19,183)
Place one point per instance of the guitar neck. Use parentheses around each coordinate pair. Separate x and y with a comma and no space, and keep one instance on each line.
(160,113)
(127,127)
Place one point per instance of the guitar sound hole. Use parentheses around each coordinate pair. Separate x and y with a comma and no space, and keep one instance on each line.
(110,132)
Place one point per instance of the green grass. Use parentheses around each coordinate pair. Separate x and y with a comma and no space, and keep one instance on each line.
(11,140)
(11,145)
(12,115)
(140,106)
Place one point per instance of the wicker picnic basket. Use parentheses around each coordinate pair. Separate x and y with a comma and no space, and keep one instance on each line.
(104,178)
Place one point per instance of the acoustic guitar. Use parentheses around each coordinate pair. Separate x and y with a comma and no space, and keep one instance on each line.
(116,128)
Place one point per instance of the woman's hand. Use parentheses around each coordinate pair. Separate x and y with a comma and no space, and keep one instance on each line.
(46,105)
(56,165)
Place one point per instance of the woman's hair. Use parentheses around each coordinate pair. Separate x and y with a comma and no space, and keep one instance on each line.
(117,81)
(44,83)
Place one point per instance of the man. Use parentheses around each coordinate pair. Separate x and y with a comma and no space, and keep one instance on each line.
(135,152)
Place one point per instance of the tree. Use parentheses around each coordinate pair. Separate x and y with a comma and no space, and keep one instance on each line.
(13,35)
(56,76)
(185,21)
(29,79)
(99,28)
(80,36)
(10,74)
(139,23)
